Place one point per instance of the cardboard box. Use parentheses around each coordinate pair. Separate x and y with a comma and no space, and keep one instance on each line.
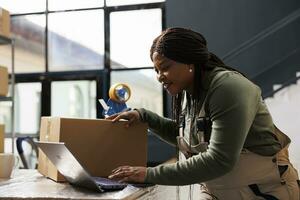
(99,145)
(3,81)
(2,130)
(4,22)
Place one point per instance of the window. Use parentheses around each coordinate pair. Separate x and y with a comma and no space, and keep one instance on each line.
(27,114)
(76,40)
(132,36)
(28,108)
(76,99)
(29,34)
(21,6)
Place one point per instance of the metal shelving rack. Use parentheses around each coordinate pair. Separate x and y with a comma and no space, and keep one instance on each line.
(8,41)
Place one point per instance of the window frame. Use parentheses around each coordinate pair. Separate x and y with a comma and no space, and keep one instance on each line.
(101,76)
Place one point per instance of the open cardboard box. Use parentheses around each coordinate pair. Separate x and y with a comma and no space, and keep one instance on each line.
(99,145)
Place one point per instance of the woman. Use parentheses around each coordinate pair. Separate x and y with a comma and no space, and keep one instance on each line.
(220,123)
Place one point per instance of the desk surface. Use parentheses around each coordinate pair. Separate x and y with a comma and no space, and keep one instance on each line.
(29,184)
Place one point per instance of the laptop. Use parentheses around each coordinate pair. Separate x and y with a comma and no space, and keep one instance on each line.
(74,172)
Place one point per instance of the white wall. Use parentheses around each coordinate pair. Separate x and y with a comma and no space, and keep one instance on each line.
(285,110)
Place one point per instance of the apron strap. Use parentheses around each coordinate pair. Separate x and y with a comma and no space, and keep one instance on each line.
(257,192)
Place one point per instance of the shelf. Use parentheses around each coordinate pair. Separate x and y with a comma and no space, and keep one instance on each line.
(9,41)
(4,40)
(6,98)
(32,135)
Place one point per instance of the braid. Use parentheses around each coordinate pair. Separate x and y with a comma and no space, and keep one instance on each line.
(215,59)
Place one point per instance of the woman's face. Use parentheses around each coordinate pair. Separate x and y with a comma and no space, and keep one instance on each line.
(174,76)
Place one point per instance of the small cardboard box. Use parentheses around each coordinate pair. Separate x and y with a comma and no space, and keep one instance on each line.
(2,130)
(3,81)
(4,23)
(99,145)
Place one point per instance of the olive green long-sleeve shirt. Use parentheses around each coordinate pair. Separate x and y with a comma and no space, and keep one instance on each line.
(240,119)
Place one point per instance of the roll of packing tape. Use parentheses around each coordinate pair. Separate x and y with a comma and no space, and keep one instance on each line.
(119,92)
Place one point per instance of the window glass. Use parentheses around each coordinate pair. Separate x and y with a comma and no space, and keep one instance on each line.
(128,2)
(73,4)
(76,99)
(28,108)
(146,92)
(29,34)
(76,40)
(132,36)
(23,6)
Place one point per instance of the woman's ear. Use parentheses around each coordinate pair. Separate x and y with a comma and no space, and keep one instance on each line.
(191,68)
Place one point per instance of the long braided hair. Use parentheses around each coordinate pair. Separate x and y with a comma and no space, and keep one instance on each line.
(188,47)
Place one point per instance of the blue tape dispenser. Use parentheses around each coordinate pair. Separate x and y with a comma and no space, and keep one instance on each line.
(118,95)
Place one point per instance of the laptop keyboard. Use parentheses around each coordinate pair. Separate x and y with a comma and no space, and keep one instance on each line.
(108,183)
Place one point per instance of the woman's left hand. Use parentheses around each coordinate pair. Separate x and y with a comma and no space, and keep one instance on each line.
(129,174)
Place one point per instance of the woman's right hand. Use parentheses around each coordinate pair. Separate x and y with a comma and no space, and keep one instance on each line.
(131,116)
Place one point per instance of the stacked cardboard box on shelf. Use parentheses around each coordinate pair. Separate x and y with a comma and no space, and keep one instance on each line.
(4,31)
(4,23)
(3,81)
(99,145)
(1,138)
